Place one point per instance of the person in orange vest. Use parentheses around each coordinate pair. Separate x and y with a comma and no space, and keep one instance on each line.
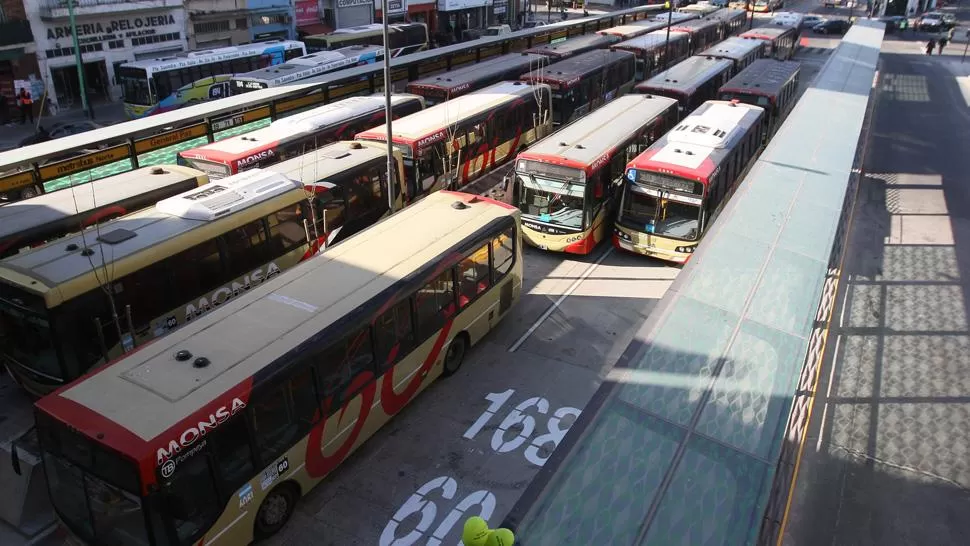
(26,105)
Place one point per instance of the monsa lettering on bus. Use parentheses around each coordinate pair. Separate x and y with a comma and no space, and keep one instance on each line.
(193,433)
(225,293)
(433,138)
(254,158)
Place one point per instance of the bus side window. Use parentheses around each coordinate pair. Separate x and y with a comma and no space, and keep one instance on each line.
(503,254)
(339,364)
(232,453)
(329,210)
(192,500)
(473,276)
(394,335)
(146,290)
(245,249)
(434,304)
(196,271)
(285,230)
(282,414)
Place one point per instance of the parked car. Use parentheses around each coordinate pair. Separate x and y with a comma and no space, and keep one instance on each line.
(894,22)
(931,22)
(832,26)
(58,130)
(533,24)
(497,30)
(811,21)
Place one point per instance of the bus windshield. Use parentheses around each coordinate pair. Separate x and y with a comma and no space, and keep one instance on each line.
(134,86)
(552,201)
(93,489)
(659,212)
(26,338)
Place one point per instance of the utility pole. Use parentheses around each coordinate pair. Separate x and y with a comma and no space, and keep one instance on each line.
(670,18)
(78,61)
(391,179)
(750,11)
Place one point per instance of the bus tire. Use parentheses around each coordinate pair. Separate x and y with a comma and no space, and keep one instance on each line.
(275,510)
(455,355)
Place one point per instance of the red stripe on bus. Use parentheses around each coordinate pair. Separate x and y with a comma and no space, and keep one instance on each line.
(393,402)
(103,213)
(319,465)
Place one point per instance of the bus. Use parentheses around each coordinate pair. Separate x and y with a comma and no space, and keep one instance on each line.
(161,85)
(781,40)
(33,222)
(296,135)
(450,144)
(675,190)
(692,81)
(768,83)
(764,6)
(651,51)
(703,33)
(247,416)
(741,52)
(634,29)
(89,298)
(582,83)
(700,10)
(574,46)
(565,184)
(305,67)
(732,20)
(405,38)
(464,80)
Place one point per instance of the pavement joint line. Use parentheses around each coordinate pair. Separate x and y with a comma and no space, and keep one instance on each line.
(555,305)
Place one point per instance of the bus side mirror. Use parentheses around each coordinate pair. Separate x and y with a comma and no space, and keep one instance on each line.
(15,458)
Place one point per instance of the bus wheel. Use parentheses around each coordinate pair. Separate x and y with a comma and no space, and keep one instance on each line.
(455,354)
(276,510)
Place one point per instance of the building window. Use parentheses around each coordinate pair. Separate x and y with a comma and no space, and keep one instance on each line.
(242,23)
(273,19)
(211,26)
(68,51)
(156,38)
(116,44)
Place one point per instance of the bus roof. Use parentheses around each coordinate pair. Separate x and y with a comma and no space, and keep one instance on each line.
(674,17)
(152,394)
(313,64)
(733,48)
(460,78)
(205,56)
(762,77)
(650,41)
(725,14)
(697,146)
(45,269)
(436,118)
(695,25)
(574,46)
(301,124)
(636,28)
(594,136)
(567,70)
(22,215)
(767,33)
(685,75)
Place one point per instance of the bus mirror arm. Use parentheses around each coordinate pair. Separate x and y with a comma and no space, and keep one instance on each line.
(15,458)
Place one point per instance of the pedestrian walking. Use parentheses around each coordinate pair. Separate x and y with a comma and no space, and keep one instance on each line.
(930,45)
(940,45)
(26,105)
(949,34)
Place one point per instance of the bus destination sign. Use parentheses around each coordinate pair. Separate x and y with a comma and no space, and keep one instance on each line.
(669,183)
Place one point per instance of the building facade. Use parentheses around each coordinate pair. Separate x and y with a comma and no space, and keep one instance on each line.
(110,33)
(414,11)
(18,59)
(271,20)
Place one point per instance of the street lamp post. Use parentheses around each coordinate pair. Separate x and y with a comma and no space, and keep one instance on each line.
(670,17)
(387,110)
(78,61)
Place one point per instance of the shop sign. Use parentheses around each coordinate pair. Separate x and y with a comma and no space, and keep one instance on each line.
(307,12)
(114,29)
(397,6)
(455,5)
(354,3)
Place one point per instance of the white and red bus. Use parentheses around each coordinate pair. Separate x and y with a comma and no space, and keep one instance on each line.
(455,142)
(463,80)
(675,190)
(212,434)
(633,29)
(566,185)
(296,135)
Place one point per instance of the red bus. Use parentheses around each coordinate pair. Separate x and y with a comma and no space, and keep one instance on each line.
(781,41)
(296,135)
(461,81)
(768,83)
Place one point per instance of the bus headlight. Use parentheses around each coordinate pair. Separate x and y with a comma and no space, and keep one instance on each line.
(621,234)
(686,249)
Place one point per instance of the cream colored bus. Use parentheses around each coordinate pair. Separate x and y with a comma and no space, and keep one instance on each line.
(260,400)
(88,298)
(453,143)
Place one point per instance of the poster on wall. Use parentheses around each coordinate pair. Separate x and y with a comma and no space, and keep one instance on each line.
(307,12)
